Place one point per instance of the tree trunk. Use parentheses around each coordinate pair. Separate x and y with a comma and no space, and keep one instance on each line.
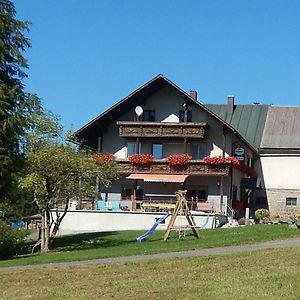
(58,221)
(45,232)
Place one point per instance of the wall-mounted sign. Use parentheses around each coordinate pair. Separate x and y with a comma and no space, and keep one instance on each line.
(239,153)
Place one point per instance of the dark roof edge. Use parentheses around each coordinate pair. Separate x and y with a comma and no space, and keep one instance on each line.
(118,103)
(212,114)
(279,151)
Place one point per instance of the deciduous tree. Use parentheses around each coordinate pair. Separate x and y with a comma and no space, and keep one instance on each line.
(55,171)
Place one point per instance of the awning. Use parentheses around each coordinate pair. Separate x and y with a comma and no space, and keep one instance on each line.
(159,177)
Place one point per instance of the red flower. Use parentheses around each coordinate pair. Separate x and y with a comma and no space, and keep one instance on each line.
(141,159)
(178,159)
(103,158)
(215,160)
(233,160)
(237,164)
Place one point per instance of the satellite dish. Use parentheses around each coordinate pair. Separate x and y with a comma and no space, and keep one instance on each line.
(138,110)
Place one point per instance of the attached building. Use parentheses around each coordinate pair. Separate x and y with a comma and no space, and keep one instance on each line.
(280,159)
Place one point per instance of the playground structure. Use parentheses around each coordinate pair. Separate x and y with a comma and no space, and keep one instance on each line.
(181,209)
(150,231)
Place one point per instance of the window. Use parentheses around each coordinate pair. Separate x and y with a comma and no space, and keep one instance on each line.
(157,151)
(149,115)
(189,116)
(131,148)
(291,201)
(126,193)
(198,151)
(198,195)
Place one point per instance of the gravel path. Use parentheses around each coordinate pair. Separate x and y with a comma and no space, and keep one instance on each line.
(287,243)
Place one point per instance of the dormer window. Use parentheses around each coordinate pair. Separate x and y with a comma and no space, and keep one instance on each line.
(189,116)
(149,116)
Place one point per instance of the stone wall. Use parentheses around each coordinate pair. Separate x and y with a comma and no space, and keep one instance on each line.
(277,201)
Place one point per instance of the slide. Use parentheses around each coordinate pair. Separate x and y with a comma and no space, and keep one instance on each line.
(159,221)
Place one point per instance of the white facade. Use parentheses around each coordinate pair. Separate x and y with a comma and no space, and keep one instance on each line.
(167,102)
(281,177)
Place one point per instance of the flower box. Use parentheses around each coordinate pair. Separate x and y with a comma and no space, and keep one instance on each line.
(178,160)
(103,158)
(221,160)
(141,159)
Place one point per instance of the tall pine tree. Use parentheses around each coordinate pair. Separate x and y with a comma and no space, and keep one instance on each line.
(14,101)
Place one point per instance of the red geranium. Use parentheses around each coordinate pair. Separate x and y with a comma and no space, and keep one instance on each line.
(141,159)
(237,164)
(215,160)
(233,160)
(178,159)
(103,158)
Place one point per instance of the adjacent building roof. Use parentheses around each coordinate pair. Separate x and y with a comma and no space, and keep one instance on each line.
(248,120)
(282,129)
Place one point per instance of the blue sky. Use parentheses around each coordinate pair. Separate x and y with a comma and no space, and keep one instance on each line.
(87,55)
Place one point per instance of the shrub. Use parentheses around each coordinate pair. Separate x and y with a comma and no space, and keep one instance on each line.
(262,214)
(11,241)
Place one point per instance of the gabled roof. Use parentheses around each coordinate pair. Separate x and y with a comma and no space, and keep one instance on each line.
(282,130)
(136,98)
(248,120)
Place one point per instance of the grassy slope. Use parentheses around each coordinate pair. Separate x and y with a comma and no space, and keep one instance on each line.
(269,274)
(98,245)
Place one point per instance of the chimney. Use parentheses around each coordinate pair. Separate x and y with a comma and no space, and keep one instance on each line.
(230,104)
(193,94)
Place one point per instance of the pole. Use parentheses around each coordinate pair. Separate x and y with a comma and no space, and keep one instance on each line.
(221,193)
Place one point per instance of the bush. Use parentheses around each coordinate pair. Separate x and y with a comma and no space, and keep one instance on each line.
(262,213)
(11,241)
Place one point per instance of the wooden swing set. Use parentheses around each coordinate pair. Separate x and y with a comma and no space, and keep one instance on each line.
(181,208)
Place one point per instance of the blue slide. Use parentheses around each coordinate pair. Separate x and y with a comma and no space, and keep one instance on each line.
(158,221)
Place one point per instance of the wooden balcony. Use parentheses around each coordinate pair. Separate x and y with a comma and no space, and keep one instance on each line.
(194,167)
(163,130)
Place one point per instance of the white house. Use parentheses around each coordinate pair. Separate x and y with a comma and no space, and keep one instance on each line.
(161,119)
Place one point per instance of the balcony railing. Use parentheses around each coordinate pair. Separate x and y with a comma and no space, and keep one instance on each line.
(194,167)
(161,129)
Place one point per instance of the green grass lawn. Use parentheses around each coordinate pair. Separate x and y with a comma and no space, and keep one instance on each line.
(109,244)
(268,274)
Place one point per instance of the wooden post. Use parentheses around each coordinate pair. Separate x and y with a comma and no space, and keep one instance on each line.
(221,193)
(134,196)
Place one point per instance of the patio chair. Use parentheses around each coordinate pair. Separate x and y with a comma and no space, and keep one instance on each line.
(115,205)
(101,205)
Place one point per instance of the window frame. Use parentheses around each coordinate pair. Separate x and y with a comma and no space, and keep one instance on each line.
(162,150)
(134,149)
(291,201)
(148,112)
(201,148)
(189,115)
